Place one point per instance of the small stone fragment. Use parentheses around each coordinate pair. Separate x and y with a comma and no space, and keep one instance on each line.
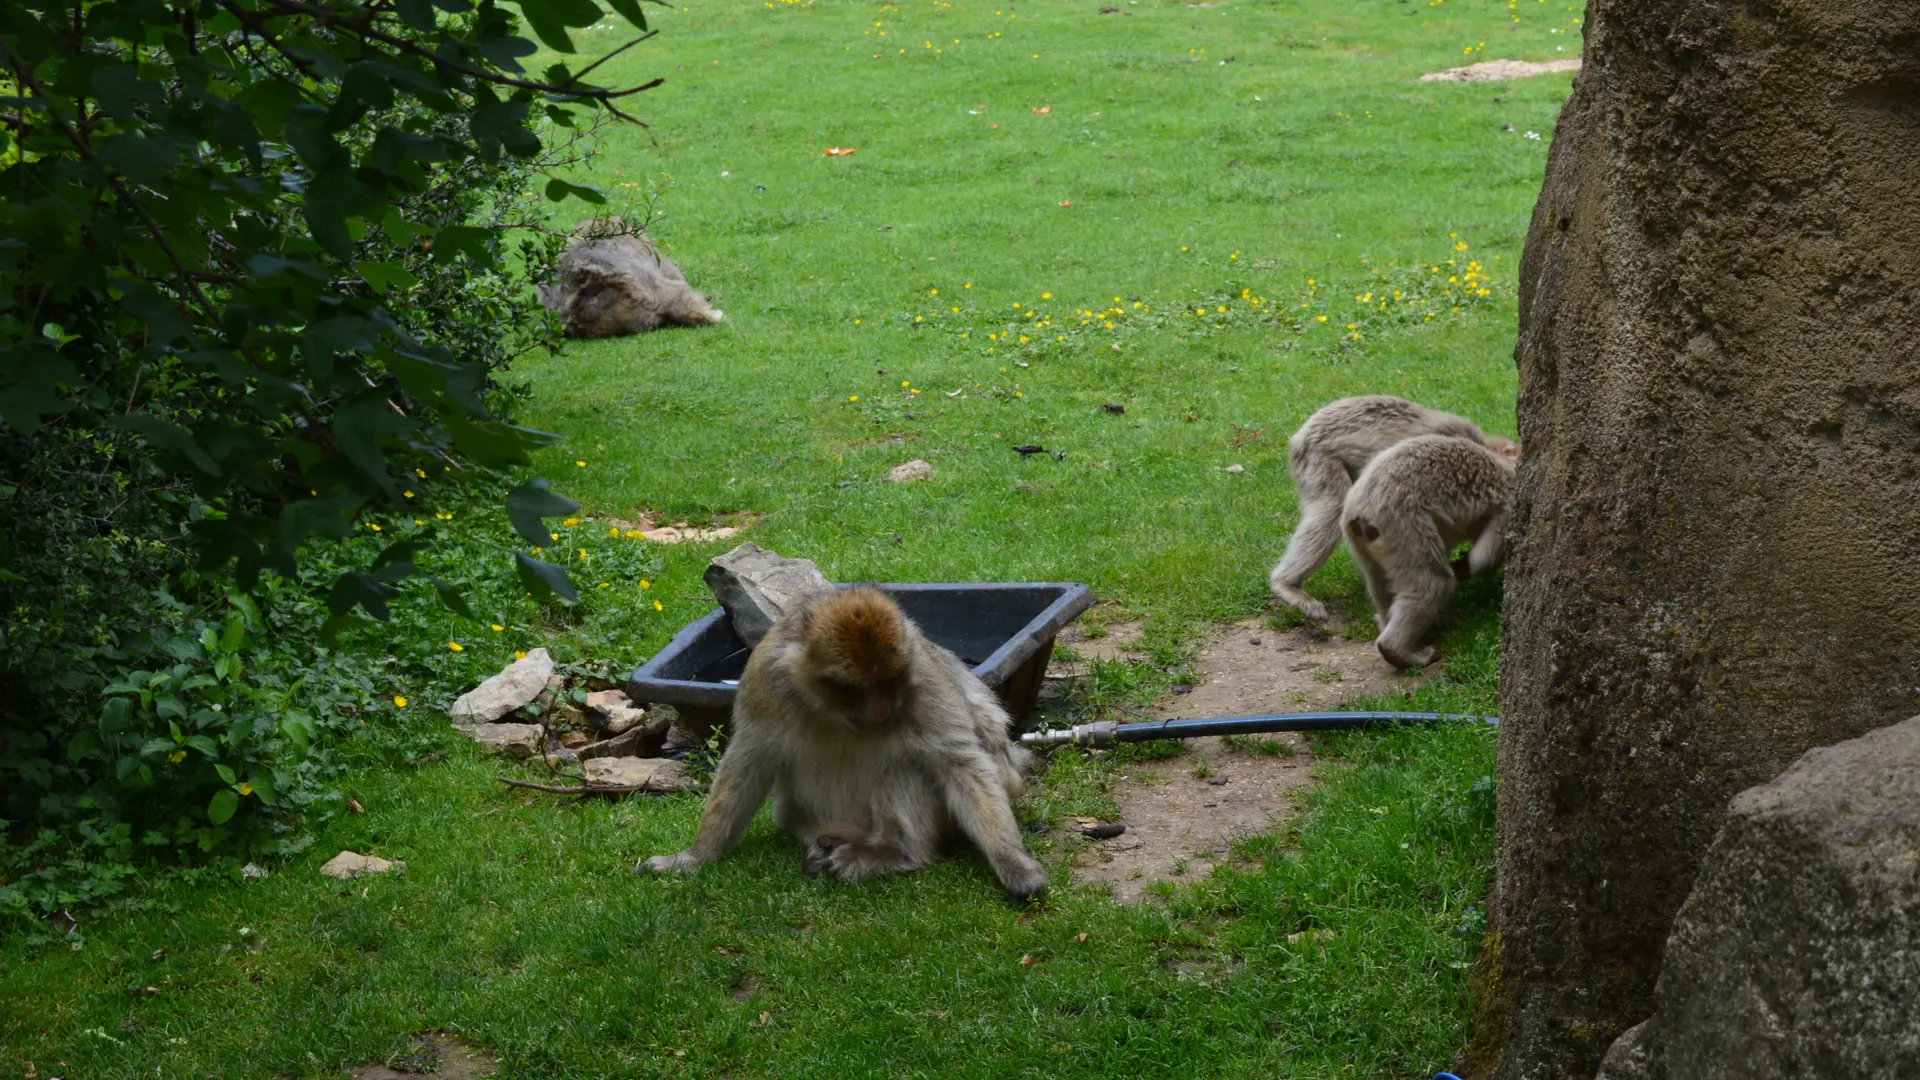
(654,774)
(350,864)
(512,740)
(253,872)
(515,685)
(1113,407)
(757,586)
(912,470)
(1217,781)
(611,711)
(1235,470)
(574,740)
(1106,830)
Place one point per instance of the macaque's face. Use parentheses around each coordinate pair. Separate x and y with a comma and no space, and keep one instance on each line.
(865,706)
(1507,448)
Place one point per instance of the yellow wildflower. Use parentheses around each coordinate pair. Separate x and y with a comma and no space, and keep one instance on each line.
(399,702)
(456,646)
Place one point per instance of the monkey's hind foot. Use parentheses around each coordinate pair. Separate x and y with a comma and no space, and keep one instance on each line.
(1295,597)
(1025,881)
(1418,658)
(680,862)
(818,859)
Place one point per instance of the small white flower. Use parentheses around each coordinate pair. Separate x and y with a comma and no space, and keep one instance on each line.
(1533,135)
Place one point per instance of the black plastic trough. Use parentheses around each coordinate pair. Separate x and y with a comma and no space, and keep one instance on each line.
(1004,630)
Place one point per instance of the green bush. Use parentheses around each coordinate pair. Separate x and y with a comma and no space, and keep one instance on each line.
(264,267)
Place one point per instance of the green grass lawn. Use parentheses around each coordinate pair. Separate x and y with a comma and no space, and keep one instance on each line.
(1276,159)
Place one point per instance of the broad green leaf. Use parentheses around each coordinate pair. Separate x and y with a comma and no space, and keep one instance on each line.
(221,807)
(83,743)
(384,276)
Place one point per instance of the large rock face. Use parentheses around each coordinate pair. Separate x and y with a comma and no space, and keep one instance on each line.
(1798,954)
(1717,521)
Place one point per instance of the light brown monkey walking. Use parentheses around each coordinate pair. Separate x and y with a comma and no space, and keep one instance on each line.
(1327,453)
(878,745)
(1409,508)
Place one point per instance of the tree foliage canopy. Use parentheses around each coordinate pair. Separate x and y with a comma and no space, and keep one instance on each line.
(262,259)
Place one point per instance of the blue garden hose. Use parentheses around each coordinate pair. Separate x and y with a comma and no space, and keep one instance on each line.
(1106,732)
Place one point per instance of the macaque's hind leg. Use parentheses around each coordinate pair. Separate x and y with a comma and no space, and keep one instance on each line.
(1322,485)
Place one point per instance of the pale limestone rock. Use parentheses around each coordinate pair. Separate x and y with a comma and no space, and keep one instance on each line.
(505,693)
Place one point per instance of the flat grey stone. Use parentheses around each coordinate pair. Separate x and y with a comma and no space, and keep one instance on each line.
(509,740)
(654,774)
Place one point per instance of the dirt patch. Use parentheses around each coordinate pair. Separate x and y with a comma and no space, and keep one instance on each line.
(1252,668)
(1183,813)
(1181,825)
(432,1055)
(1497,70)
(648,527)
(1092,637)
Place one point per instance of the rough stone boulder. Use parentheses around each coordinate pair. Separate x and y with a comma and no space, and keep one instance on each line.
(507,692)
(756,586)
(610,282)
(1798,953)
(1717,520)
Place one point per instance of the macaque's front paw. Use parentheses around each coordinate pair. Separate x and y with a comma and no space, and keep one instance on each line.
(680,862)
(1024,880)
(819,856)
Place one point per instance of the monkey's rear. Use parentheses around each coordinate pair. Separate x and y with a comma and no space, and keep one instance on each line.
(1404,515)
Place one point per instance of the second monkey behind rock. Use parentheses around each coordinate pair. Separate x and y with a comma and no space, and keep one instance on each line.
(1325,456)
(1409,508)
(879,747)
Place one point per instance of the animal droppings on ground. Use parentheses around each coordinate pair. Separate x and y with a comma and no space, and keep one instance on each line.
(1496,70)
(1183,813)
(432,1055)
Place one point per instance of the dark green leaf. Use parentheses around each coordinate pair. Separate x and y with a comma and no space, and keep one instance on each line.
(543,579)
(83,743)
(221,807)
(558,189)
(630,10)
(450,596)
(532,501)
